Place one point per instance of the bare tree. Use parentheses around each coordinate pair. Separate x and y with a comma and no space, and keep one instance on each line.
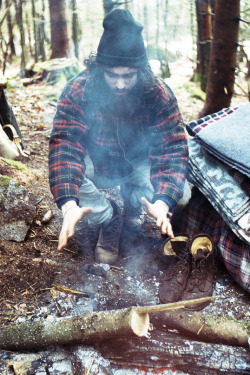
(35,30)
(19,17)
(41,32)
(223,56)
(76,28)
(10,31)
(59,31)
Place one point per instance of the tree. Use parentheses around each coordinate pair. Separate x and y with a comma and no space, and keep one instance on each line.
(19,16)
(10,31)
(204,10)
(223,56)
(41,33)
(59,31)
(76,28)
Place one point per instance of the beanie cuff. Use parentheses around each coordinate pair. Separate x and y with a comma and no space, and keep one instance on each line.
(121,60)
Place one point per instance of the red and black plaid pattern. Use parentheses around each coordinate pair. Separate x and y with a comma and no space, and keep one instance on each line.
(75,131)
(200,217)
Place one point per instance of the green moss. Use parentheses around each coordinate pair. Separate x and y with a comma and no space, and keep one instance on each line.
(194,91)
(210,321)
(17,165)
(4,180)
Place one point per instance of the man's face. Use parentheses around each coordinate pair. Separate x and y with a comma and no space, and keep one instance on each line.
(120,79)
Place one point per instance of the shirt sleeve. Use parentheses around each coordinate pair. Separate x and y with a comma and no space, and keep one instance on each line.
(66,146)
(169,152)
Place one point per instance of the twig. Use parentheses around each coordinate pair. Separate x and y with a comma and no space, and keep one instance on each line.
(70,291)
(91,364)
(70,251)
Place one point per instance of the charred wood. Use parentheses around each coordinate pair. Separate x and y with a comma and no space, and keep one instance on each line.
(170,350)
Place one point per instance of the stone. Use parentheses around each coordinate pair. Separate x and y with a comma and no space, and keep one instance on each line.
(18,209)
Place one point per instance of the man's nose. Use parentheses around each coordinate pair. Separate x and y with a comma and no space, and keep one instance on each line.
(120,83)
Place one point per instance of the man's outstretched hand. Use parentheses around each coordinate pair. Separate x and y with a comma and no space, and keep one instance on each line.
(71,215)
(159,211)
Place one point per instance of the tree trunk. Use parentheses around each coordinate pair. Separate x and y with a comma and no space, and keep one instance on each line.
(59,31)
(41,33)
(145,21)
(165,70)
(35,31)
(22,34)
(223,56)
(76,29)
(10,31)
(204,38)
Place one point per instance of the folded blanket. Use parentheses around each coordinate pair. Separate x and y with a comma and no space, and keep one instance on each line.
(228,195)
(226,135)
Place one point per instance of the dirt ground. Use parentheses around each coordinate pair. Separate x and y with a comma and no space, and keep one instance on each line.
(28,270)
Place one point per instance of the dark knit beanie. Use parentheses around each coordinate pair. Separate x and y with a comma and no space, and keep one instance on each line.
(121,43)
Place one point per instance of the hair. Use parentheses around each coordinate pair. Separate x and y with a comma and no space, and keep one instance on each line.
(145,73)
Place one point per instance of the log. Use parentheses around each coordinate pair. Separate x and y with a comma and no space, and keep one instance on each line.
(87,328)
(205,327)
(167,350)
(134,321)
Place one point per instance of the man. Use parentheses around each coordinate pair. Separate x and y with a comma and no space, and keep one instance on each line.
(117,124)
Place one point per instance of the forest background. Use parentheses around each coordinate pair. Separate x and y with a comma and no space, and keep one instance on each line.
(41,37)
(32,31)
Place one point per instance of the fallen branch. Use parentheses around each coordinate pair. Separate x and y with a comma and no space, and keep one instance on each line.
(209,328)
(94,327)
(87,328)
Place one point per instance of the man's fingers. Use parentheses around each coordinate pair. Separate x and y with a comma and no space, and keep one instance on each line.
(71,218)
(167,229)
(64,236)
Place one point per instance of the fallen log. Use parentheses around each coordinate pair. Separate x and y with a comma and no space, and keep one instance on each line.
(205,327)
(87,328)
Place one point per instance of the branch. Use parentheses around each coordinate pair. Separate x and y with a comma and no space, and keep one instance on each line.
(5,13)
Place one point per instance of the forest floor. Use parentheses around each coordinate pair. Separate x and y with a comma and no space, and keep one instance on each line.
(29,270)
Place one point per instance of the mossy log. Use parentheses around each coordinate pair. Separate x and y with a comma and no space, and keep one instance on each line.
(87,328)
(205,327)
(94,327)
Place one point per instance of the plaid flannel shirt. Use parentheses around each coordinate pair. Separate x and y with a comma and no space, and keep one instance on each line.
(77,129)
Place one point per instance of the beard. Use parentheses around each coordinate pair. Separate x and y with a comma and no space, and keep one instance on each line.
(123,106)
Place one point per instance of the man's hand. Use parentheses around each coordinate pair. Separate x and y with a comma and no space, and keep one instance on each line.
(71,215)
(159,211)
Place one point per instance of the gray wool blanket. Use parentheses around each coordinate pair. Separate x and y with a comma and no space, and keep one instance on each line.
(226,135)
(228,193)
